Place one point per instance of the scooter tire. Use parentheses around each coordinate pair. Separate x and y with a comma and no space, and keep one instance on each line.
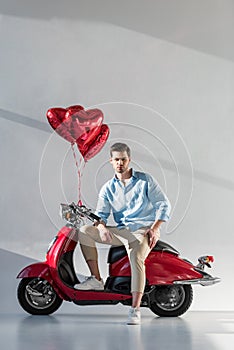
(45,304)
(171,301)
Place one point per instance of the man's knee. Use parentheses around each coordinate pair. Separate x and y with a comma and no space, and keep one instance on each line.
(85,229)
(87,236)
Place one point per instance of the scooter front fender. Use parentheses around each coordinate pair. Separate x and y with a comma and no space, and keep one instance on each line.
(39,269)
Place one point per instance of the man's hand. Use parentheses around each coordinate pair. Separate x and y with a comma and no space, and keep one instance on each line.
(153,236)
(105,234)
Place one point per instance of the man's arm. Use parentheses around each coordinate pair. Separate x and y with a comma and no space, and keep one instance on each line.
(153,233)
(103,208)
(105,234)
(162,209)
(103,211)
(159,200)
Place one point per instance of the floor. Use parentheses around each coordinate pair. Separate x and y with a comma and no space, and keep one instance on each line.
(96,327)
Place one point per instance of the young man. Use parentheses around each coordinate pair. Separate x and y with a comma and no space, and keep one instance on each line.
(139,208)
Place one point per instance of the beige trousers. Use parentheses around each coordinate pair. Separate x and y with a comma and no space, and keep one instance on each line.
(135,243)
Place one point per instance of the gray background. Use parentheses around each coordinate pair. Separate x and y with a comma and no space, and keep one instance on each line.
(162,72)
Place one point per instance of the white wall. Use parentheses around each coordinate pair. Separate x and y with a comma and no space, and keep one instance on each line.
(163,75)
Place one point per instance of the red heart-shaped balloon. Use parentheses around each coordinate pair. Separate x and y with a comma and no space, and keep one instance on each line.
(92,141)
(82,121)
(74,121)
(61,122)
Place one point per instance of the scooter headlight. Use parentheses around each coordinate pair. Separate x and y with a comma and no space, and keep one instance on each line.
(66,212)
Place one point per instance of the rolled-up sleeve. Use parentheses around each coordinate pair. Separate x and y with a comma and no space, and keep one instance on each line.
(103,208)
(158,199)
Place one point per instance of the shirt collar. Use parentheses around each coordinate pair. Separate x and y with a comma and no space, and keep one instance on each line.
(134,174)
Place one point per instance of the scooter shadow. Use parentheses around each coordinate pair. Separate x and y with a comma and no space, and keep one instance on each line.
(94,318)
(38,320)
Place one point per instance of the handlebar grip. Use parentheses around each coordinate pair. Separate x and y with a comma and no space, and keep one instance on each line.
(95,217)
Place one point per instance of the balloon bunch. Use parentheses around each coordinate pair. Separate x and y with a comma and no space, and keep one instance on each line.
(81,127)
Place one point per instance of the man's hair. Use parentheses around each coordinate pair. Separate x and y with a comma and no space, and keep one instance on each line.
(120,147)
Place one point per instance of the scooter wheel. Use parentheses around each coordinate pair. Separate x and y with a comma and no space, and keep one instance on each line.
(37,297)
(171,300)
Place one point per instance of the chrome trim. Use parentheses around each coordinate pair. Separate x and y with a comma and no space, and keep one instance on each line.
(206,281)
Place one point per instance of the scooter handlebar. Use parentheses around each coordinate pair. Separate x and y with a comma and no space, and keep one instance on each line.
(74,214)
(85,211)
(94,216)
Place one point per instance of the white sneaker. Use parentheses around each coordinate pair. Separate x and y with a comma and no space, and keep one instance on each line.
(91,283)
(134,316)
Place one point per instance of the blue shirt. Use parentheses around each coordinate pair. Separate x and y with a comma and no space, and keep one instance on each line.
(135,205)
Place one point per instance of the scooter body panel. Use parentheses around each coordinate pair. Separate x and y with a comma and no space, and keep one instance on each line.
(65,241)
(120,268)
(165,268)
(100,295)
(161,268)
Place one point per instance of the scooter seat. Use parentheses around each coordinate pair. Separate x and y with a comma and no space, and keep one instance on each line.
(165,247)
(117,253)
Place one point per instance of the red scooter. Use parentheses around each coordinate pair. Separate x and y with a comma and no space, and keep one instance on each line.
(169,278)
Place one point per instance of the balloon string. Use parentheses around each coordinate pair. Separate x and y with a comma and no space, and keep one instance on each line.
(80,174)
(80,168)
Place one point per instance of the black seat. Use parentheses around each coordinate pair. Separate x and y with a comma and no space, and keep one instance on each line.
(117,253)
(165,247)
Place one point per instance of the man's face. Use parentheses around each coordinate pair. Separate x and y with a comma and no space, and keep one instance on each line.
(120,162)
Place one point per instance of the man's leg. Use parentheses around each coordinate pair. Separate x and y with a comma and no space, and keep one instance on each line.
(88,248)
(88,235)
(139,250)
(94,269)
